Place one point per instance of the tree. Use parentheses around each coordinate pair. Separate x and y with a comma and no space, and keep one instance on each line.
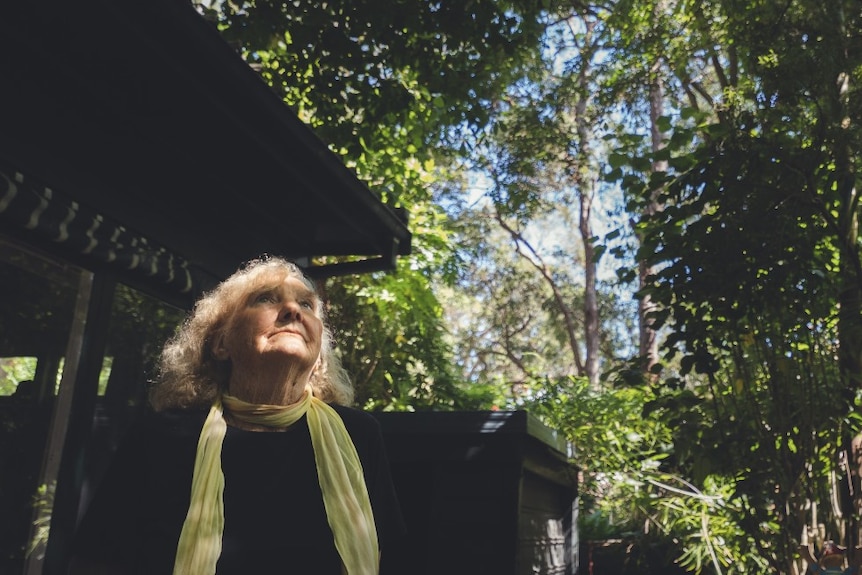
(725,114)
(541,167)
(758,314)
(389,86)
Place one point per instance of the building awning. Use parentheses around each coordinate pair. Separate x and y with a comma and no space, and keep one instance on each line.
(140,110)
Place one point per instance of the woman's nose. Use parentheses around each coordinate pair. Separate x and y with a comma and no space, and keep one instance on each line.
(291,311)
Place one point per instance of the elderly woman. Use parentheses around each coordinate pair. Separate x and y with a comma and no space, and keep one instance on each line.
(251,462)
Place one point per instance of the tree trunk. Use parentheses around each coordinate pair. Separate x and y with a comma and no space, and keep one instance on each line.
(850,297)
(585,201)
(648,338)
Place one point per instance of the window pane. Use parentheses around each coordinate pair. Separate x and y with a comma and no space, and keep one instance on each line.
(16,375)
(139,326)
(37,299)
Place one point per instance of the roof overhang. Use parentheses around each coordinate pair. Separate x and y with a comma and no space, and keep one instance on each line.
(141,110)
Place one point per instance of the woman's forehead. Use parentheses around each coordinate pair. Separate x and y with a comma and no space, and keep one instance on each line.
(274,279)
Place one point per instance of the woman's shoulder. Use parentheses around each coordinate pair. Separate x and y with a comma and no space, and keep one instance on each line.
(358,418)
(150,426)
(362,426)
(173,417)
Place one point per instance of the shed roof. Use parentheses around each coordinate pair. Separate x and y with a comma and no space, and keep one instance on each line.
(141,110)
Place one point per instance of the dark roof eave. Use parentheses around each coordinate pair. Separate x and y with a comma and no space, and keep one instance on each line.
(265,113)
(140,109)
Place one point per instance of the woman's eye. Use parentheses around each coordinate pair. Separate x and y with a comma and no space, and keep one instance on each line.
(266,298)
(307,304)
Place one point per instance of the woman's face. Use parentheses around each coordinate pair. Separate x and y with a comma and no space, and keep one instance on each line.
(276,327)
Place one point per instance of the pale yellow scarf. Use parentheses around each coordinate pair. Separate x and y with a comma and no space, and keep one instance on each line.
(339,471)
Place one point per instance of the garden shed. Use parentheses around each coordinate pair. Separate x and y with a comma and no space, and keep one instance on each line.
(483,492)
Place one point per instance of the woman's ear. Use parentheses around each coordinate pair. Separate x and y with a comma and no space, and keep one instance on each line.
(218,348)
(317,365)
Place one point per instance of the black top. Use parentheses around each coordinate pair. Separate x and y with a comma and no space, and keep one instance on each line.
(274,515)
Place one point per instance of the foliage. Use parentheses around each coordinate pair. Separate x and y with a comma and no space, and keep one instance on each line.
(632,486)
(499,314)
(757,274)
(43,504)
(388,86)
(396,356)
(14,370)
(758,314)
(358,64)
(533,255)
